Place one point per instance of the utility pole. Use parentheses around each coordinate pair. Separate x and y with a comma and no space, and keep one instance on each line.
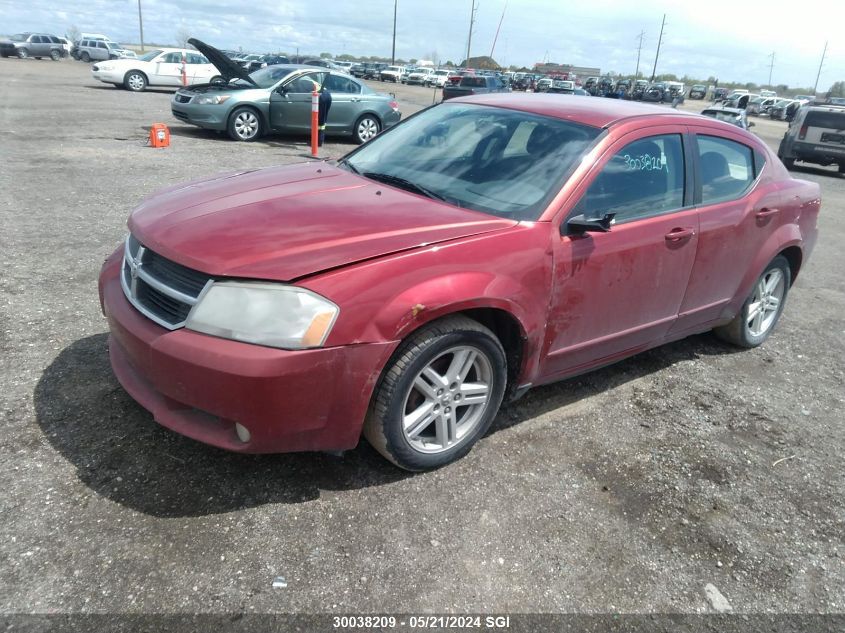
(824,52)
(471,22)
(771,67)
(393,50)
(639,50)
(498,28)
(141,24)
(657,54)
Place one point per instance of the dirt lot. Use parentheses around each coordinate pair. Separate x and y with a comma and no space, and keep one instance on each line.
(626,490)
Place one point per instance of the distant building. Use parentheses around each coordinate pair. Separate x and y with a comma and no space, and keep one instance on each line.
(549,68)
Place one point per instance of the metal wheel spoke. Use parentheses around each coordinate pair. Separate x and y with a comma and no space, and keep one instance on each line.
(757,324)
(772,281)
(773,303)
(417,421)
(754,309)
(474,393)
(462,362)
(425,388)
(447,429)
(434,378)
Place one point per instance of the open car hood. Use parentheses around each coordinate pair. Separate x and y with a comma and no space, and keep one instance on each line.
(228,69)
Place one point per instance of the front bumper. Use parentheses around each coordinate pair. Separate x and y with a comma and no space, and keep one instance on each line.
(200,386)
(108,76)
(212,117)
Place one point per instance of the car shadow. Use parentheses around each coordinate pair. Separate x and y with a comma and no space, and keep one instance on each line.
(817,170)
(110,87)
(119,451)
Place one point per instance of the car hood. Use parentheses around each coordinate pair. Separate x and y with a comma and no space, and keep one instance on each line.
(284,223)
(229,69)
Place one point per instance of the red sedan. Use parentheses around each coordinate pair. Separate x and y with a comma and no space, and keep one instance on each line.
(483,246)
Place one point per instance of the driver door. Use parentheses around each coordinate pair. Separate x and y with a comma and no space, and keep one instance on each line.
(290,104)
(618,292)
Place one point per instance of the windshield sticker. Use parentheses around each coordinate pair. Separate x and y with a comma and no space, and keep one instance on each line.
(646,162)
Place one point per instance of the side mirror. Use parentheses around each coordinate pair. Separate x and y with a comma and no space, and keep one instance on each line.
(580,224)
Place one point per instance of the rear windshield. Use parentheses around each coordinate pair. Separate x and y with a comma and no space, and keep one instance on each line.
(829,120)
(474,82)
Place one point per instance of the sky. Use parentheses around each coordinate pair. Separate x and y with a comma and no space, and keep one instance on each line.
(732,40)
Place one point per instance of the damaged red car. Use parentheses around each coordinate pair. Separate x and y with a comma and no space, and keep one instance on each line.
(483,246)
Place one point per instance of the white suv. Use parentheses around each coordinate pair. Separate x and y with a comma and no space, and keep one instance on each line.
(396,74)
(816,135)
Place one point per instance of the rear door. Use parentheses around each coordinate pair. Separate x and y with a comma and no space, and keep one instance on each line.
(739,208)
(168,69)
(617,292)
(346,103)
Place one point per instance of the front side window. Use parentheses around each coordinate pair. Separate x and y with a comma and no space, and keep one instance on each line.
(727,168)
(643,179)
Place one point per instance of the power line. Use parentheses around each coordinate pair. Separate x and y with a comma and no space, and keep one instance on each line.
(657,54)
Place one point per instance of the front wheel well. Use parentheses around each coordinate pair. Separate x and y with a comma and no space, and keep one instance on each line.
(794,256)
(510,334)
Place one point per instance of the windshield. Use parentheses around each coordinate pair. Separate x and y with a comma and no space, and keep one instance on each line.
(268,77)
(721,115)
(502,162)
(148,57)
(19,37)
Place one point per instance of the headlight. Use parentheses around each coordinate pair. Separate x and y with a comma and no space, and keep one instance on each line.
(105,67)
(211,99)
(269,314)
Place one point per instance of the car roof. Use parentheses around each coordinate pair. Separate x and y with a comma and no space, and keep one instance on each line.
(599,113)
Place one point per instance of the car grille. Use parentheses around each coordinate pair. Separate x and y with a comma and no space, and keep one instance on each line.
(179,115)
(182,98)
(160,289)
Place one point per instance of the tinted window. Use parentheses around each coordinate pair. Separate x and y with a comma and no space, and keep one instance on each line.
(727,168)
(194,58)
(474,82)
(643,179)
(341,85)
(55,40)
(829,120)
(101,45)
(172,58)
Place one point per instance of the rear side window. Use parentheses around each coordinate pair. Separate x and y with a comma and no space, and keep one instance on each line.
(644,179)
(726,167)
(341,85)
(828,120)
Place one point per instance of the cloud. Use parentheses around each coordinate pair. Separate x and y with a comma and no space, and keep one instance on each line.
(725,38)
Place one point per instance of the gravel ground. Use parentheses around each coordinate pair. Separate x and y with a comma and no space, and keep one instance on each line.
(626,490)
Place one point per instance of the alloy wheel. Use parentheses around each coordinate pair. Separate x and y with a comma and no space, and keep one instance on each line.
(246,125)
(447,399)
(367,129)
(764,305)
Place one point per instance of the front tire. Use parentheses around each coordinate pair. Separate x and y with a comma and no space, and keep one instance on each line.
(85,57)
(23,53)
(366,128)
(245,125)
(762,309)
(135,81)
(438,395)
(55,56)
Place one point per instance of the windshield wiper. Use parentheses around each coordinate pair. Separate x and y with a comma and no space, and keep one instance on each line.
(407,185)
(345,162)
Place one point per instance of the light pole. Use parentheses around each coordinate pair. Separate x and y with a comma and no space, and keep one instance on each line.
(141,25)
(659,42)
(393,50)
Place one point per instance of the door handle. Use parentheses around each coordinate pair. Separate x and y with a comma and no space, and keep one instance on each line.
(676,235)
(356,100)
(765,213)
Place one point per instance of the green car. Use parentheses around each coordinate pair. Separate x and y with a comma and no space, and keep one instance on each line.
(278,99)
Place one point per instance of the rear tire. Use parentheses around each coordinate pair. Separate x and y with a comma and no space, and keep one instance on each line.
(366,128)
(438,395)
(762,309)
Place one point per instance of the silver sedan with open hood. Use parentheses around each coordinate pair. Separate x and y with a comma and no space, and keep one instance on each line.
(278,99)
